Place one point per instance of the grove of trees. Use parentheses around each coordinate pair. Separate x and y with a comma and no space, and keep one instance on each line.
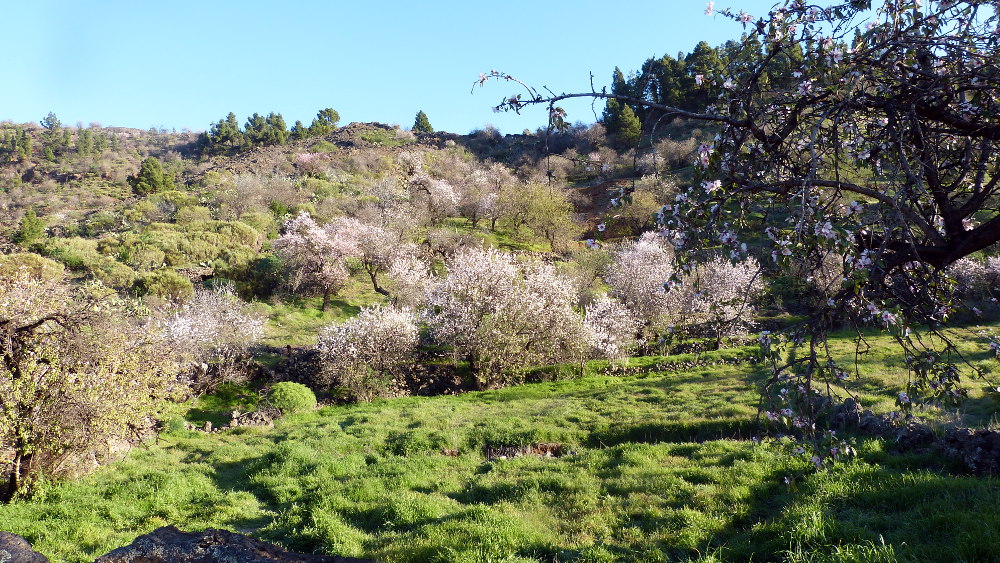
(842,159)
(858,134)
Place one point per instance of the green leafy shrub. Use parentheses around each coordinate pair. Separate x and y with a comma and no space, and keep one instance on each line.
(78,373)
(31,264)
(192,213)
(151,178)
(323,146)
(290,397)
(165,283)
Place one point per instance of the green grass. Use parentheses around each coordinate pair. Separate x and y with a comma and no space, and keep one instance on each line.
(504,237)
(879,373)
(298,320)
(660,469)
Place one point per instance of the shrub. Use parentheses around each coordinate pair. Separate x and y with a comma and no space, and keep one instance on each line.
(79,375)
(214,327)
(290,397)
(165,283)
(365,353)
(33,265)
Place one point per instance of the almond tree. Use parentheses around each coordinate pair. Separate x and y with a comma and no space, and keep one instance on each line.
(214,331)
(374,248)
(722,296)
(314,256)
(637,276)
(500,316)
(440,196)
(366,352)
(612,327)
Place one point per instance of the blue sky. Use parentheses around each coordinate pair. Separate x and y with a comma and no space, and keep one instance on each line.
(187,63)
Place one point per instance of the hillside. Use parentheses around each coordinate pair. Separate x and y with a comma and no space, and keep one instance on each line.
(511,362)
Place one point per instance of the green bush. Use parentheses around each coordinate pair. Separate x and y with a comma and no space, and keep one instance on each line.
(165,283)
(37,267)
(113,274)
(290,397)
(323,146)
(192,213)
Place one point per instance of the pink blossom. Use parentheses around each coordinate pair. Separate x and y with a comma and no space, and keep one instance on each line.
(888,318)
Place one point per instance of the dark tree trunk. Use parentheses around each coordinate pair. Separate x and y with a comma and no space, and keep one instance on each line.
(375,286)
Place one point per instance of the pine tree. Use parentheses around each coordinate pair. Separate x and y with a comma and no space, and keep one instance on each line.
(151,178)
(421,124)
(612,115)
(277,131)
(52,136)
(299,131)
(255,130)
(629,128)
(32,228)
(84,142)
(325,122)
(613,108)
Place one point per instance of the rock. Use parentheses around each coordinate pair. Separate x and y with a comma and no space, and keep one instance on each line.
(914,435)
(979,450)
(541,449)
(15,549)
(264,417)
(170,545)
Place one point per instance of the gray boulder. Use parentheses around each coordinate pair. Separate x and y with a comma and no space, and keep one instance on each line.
(15,549)
(170,545)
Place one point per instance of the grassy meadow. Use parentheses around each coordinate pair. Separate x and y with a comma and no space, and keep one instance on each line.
(657,466)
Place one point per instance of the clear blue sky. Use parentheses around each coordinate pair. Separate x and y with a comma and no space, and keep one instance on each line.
(187,63)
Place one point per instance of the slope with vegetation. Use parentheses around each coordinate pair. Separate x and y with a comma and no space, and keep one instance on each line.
(254,268)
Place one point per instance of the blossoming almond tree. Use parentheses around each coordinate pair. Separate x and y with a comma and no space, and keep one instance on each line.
(373,248)
(314,256)
(214,330)
(500,316)
(612,327)
(366,352)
